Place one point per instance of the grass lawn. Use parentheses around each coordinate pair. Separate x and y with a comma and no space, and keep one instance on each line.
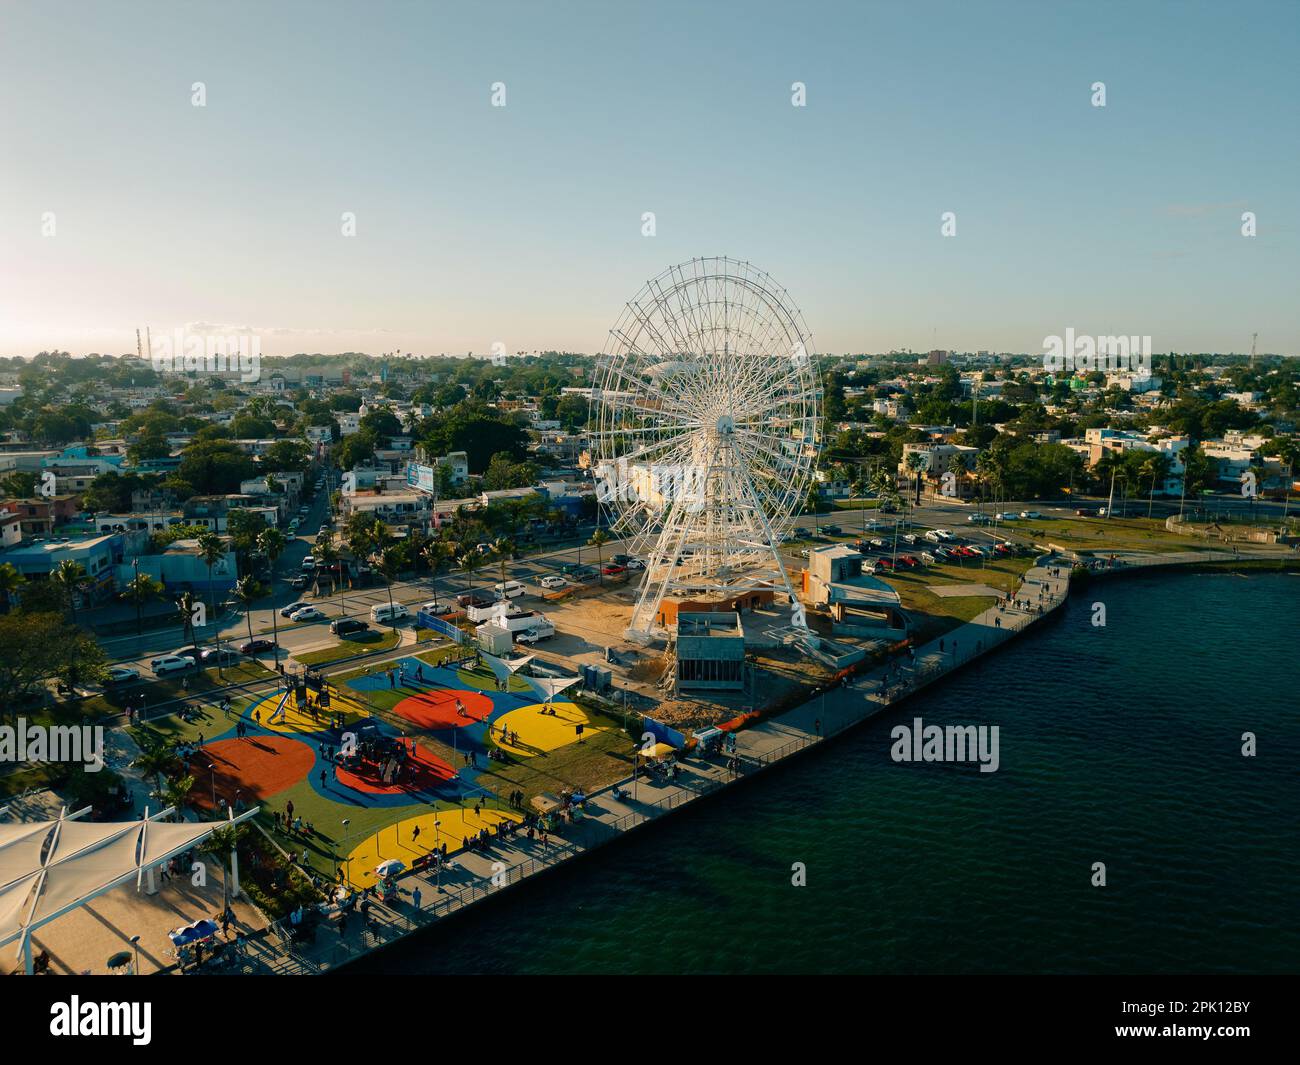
(361,644)
(605,757)
(933,615)
(1113,534)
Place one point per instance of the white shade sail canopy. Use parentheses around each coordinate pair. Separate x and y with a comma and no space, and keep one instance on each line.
(504,668)
(48,868)
(547,688)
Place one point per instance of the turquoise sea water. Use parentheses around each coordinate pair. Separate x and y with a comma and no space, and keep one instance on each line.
(1119,744)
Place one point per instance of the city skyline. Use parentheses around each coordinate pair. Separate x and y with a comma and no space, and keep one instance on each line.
(522,225)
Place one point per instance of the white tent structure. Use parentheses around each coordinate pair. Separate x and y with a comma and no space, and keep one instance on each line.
(547,688)
(49,868)
(504,668)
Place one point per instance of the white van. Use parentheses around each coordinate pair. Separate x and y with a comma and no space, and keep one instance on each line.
(383,615)
(509,590)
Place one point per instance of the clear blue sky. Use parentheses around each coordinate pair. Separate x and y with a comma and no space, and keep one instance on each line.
(523,225)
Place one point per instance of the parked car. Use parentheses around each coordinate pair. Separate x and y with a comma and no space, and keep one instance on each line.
(122,675)
(508,589)
(832,530)
(348,626)
(388,615)
(256,647)
(943,534)
(553,581)
(288,611)
(534,635)
(877,542)
(299,582)
(635,565)
(928,558)
(171,664)
(908,561)
(309,564)
(1031,515)
(224,655)
(933,537)
(613,569)
(468,599)
(439,607)
(307,613)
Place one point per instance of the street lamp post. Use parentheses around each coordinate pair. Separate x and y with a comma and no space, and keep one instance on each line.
(346,822)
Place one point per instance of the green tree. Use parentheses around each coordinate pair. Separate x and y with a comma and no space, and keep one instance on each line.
(139,590)
(69,577)
(598,540)
(271,543)
(11,580)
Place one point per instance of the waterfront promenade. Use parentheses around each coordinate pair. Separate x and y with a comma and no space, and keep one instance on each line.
(470,877)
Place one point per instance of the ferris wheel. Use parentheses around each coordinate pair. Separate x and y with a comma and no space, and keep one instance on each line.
(706,410)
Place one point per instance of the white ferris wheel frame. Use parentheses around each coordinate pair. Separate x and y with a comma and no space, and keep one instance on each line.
(707,407)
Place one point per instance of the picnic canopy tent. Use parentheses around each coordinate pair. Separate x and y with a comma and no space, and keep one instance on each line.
(50,868)
(547,688)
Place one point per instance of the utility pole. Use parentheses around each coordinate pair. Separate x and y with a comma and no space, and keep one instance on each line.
(1253,337)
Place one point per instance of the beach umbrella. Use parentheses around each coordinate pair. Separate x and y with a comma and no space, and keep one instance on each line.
(390,868)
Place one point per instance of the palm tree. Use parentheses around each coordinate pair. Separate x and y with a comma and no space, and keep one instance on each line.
(598,540)
(177,794)
(436,555)
(155,761)
(221,845)
(139,590)
(211,551)
(185,604)
(1157,468)
(916,463)
(471,562)
(327,556)
(503,551)
(11,579)
(71,577)
(388,564)
(247,590)
(271,543)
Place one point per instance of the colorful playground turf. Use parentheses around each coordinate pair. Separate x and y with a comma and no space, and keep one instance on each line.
(282,761)
(258,766)
(450,826)
(442,709)
(540,732)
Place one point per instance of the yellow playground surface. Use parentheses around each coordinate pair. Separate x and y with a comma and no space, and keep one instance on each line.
(450,826)
(540,733)
(296,720)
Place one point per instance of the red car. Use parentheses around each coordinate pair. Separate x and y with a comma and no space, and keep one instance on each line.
(908,561)
(613,569)
(884,563)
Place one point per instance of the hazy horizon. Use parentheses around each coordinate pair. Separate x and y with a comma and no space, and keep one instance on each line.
(522,225)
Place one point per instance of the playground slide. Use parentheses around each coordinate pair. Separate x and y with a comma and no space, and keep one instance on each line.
(281,708)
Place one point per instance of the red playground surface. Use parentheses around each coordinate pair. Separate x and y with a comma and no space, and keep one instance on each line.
(259,766)
(423,772)
(437,709)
